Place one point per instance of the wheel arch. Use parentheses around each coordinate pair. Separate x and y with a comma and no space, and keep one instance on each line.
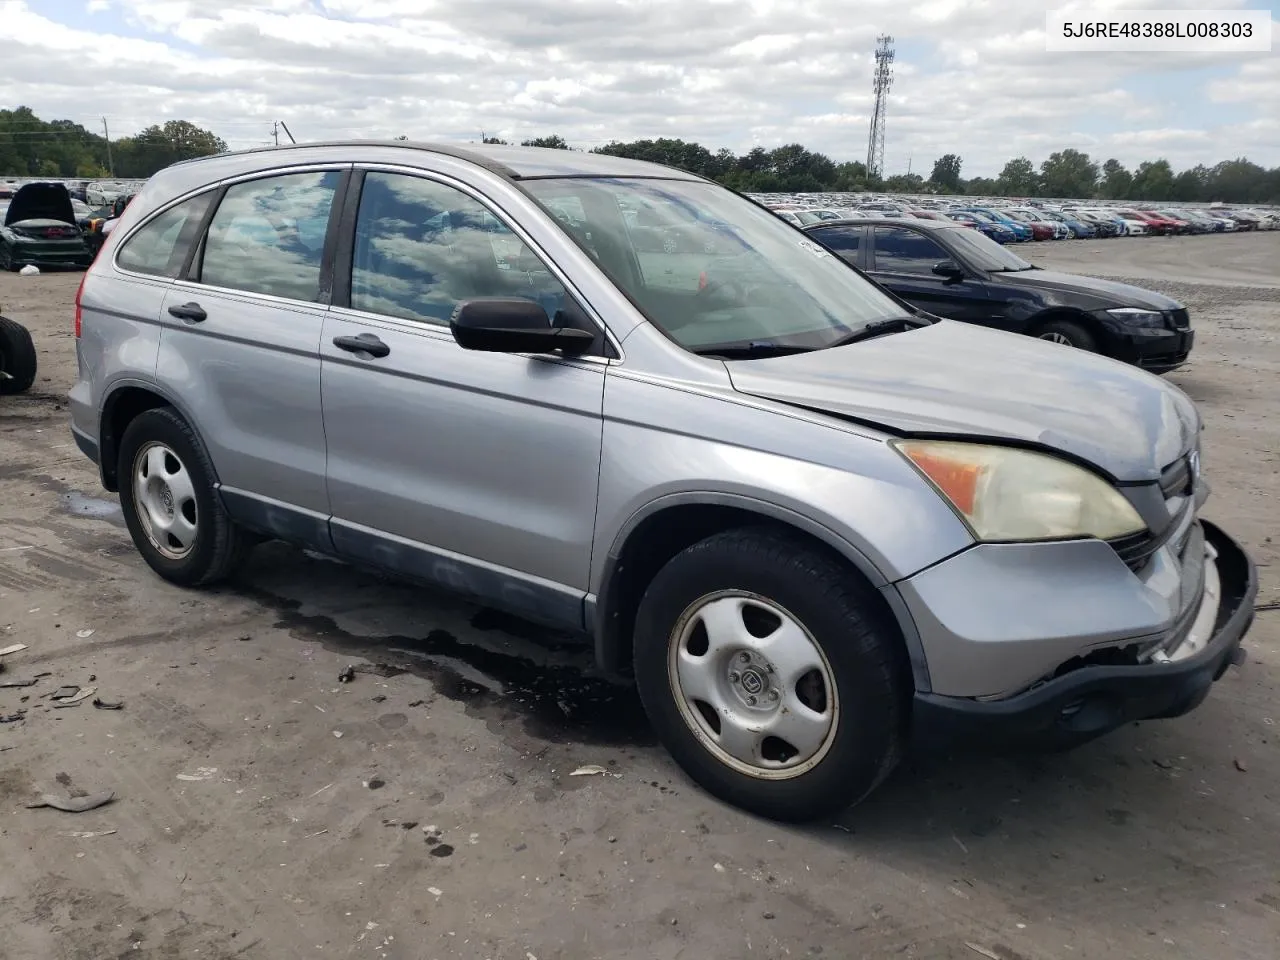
(661,529)
(123,403)
(1075,315)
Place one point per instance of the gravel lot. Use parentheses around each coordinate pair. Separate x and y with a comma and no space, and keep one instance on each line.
(264,810)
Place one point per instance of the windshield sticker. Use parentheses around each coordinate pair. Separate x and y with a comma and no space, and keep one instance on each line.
(815,249)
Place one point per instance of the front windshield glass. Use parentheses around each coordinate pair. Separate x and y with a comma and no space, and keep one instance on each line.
(710,268)
(983,252)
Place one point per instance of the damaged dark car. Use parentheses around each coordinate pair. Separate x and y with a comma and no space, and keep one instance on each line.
(40,229)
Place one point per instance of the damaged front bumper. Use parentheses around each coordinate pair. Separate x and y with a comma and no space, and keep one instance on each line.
(1166,680)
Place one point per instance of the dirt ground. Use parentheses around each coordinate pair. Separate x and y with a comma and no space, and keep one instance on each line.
(264,810)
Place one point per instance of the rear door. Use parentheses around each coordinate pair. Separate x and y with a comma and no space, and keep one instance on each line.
(241,346)
(903,260)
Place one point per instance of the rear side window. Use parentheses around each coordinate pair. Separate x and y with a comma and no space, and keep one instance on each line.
(267,236)
(160,247)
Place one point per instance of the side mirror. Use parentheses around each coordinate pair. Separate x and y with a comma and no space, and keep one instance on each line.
(513,325)
(948,270)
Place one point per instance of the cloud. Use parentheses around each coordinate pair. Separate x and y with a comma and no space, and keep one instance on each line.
(972,76)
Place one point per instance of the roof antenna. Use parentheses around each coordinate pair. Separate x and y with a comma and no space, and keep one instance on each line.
(285,127)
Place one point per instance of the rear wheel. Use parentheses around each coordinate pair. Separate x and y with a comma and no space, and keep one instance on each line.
(169,503)
(1069,334)
(17,357)
(771,674)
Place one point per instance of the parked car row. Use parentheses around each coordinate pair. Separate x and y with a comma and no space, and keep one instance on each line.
(815,524)
(1010,222)
(945,270)
(44,226)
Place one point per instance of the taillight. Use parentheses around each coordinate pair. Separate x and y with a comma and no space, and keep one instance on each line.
(79,293)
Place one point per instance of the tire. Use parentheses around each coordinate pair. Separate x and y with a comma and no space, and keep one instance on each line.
(1069,334)
(17,357)
(6,258)
(201,544)
(851,736)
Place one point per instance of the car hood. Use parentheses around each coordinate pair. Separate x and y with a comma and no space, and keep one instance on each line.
(1106,292)
(40,201)
(952,379)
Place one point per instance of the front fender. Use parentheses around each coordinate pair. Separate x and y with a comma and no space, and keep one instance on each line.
(840,482)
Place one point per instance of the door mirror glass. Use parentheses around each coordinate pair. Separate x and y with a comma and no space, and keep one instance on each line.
(948,270)
(513,325)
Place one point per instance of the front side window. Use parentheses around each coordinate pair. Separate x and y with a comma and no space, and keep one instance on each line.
(267,236)
(732,275)
(160,247)
(422,246)
(904,251)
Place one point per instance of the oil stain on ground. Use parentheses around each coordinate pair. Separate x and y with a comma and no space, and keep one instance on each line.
(555,702)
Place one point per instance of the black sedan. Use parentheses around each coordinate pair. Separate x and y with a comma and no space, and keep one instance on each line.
(954,272)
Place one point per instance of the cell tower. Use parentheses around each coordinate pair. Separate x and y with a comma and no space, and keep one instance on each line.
(880,84)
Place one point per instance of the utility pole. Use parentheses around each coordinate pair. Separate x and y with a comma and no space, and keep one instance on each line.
(111,166)
(275,131)
(881,82)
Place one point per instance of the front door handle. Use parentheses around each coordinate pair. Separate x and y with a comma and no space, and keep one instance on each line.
(191,312)
(363,343)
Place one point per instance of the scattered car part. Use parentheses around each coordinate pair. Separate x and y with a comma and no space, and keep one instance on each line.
(73,804)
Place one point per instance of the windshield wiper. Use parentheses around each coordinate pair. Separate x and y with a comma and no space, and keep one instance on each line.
(880,328)
(749,350)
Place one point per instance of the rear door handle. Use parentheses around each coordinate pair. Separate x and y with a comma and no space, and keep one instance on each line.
(191,312)
(362,343)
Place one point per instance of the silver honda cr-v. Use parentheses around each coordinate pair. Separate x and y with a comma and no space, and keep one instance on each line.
(814,524)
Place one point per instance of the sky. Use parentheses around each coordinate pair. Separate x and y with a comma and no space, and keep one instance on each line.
(971,77)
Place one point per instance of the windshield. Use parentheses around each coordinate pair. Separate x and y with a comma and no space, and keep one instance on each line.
(984,253)
(710,268)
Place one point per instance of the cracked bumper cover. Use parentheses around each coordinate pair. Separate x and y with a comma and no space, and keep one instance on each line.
(1094,699)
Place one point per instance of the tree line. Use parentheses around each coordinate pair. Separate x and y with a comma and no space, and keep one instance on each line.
(1065,174)
(31,147)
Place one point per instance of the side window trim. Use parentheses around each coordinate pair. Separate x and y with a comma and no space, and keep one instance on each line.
(609,348)
(197,245)
(194,264)
(345,240)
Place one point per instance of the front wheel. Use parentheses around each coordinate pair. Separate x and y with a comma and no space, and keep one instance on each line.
(1069,334)
(771,674)
(169,503)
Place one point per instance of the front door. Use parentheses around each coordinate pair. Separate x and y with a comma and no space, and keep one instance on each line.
(475,470)
(903,260)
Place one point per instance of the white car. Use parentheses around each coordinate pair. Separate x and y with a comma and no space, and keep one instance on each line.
(1133,227)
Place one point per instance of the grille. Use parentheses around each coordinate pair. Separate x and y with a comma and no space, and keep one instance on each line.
(1181,319)
(1177,482)
(1175,479)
